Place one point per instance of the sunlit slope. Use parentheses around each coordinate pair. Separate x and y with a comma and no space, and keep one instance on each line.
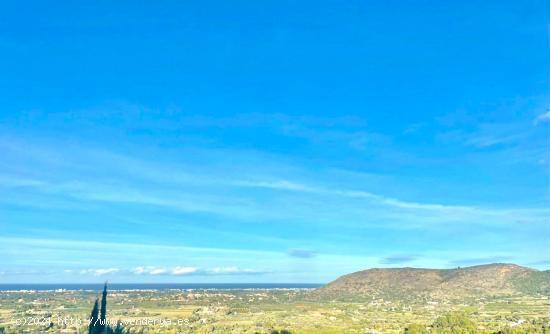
(469,282)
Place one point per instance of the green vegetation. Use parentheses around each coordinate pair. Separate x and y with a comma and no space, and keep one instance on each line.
(536,283)
(415,328)
(460,323)
(263,311)
(411,284)
(501,305)
(454,323)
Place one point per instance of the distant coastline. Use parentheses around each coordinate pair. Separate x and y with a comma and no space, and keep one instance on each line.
(154,286)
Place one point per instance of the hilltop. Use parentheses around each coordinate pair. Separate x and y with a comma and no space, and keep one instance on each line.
(490,280)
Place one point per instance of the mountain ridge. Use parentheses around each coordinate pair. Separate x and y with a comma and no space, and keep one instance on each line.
(479,281)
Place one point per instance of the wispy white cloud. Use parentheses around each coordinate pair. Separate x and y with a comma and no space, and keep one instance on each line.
(380,199)
(170,192)
(232,271)
(248,209)
(488,140)
(10,181)
(278,193)
(149,270)
(490,135)
(183,270)
(99,271)
(328,265)
(186,270)
(277,185)
(359,139)
(544,117)
(119,193)
(130,248)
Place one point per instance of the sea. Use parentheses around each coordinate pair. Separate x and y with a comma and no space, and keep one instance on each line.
(157,286)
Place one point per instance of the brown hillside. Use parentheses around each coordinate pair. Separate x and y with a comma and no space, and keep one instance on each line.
(484,280)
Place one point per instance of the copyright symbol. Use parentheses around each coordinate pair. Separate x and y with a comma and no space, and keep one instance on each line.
(18,322)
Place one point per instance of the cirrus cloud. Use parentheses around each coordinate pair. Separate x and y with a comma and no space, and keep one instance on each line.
(544,117)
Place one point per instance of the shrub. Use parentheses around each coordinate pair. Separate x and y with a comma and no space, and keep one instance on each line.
(416,329)
(454,323)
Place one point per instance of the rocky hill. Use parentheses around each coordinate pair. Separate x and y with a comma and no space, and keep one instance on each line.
(491,280)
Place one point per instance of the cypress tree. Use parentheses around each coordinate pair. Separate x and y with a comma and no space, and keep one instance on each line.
(103,312)
(98,319)
(92,327)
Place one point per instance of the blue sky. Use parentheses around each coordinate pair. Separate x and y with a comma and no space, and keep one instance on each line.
(259,141)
